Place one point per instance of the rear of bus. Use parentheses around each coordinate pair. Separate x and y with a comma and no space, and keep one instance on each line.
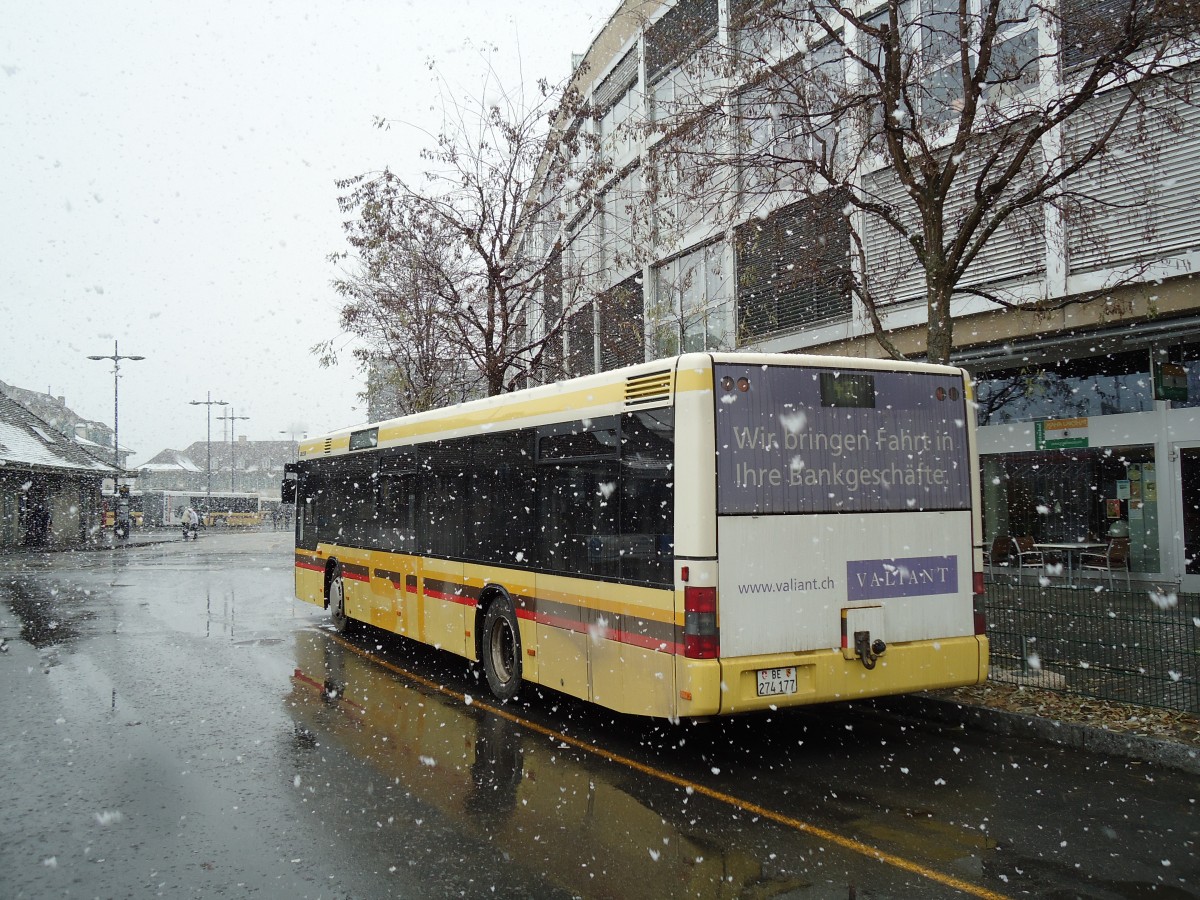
(825,531)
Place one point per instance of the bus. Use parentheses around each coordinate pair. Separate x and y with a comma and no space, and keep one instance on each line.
(220,508)
(704,535)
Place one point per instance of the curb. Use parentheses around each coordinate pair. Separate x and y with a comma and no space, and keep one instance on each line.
(124,545)
(1089,738)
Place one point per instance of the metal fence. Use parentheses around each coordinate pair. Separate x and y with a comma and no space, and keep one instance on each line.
(1135,646)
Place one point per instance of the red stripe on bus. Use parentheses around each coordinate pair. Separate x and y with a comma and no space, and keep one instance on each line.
(644,641)
(526,609)
(315,567)
(356,576)
(559,622)
(452,598)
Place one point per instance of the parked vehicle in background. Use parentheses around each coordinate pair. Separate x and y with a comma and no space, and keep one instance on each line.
(220,508)
(136,511)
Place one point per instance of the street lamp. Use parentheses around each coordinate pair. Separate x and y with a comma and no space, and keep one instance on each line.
(116,358)
(210,403)
(231,418)
(292,433)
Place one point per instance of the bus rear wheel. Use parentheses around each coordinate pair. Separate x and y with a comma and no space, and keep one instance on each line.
(502,649)
(337,602)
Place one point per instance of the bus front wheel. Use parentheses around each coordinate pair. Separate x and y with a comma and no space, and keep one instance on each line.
(337,602)
(502,649)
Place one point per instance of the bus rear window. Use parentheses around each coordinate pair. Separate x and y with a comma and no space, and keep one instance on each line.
(847,390)
(793,439)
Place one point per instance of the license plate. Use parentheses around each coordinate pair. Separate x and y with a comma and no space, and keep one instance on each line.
(776,681)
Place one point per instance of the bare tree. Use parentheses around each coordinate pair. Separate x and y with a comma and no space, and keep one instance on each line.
(919,137)
(471,247)
(394,310)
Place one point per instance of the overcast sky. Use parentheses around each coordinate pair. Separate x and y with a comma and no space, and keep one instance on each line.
(168,182)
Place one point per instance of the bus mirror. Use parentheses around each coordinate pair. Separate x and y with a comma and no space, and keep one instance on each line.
(287,491)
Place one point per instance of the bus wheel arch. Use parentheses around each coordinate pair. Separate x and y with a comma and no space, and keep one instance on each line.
(499,643)
(335,596)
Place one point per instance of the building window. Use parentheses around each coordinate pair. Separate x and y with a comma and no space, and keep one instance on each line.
(692,307)
(552,310)
(932,28)
(669,40)
(622,332)
(620,204)
(1069,388)
(1090,493)
(793,268)
(618,102)
(581,352)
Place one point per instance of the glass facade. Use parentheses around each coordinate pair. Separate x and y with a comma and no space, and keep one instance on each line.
(1066,388)
(1083,479)
(1084,494)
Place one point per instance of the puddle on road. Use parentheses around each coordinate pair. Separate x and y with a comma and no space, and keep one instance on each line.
(48,616)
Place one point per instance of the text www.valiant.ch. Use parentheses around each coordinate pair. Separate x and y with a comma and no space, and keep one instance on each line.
(791,586)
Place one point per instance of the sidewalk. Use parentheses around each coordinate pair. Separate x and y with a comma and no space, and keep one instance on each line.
(138,537)
(1163,737)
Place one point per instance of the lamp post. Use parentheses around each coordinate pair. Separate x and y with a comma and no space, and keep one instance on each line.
(231,419)
(210,403)
(292,433)
(116,358)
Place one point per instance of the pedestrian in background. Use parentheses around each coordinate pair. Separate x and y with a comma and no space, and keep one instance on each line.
(191,522)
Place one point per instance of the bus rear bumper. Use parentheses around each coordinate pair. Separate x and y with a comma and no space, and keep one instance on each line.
(826,676)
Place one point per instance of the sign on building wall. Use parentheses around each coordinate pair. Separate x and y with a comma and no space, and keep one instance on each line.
(1170,381)
(1061,434)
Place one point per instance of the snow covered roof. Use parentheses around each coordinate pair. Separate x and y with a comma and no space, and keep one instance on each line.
(27,441)
(169,461)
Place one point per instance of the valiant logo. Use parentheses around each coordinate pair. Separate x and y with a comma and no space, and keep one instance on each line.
(919,576)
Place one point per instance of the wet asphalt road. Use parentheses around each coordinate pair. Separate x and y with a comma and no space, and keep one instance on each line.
(176,725)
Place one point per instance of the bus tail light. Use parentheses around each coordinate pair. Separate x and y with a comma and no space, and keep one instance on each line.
(700,637)
(980,591)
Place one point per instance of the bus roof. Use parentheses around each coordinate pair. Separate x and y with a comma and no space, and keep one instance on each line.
(642,386)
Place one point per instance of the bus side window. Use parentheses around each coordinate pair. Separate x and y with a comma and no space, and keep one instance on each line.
(504,523)
(647,496)
(395,512)
(309,496)
(581,504)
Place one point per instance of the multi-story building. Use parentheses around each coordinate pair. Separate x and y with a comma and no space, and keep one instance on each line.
(1079,318)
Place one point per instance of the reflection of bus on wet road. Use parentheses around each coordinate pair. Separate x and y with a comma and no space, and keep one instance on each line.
(703,535)
(478,778)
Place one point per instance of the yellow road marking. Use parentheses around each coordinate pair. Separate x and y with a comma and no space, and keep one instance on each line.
(846,843)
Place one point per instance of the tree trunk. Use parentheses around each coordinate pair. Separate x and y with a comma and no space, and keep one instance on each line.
(939,339)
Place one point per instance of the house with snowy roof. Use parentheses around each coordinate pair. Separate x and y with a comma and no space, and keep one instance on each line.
(97,437)
(243,465)
(50,486)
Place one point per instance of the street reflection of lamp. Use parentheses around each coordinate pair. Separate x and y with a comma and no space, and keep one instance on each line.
(231,418)
(116,358)
(210,403)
